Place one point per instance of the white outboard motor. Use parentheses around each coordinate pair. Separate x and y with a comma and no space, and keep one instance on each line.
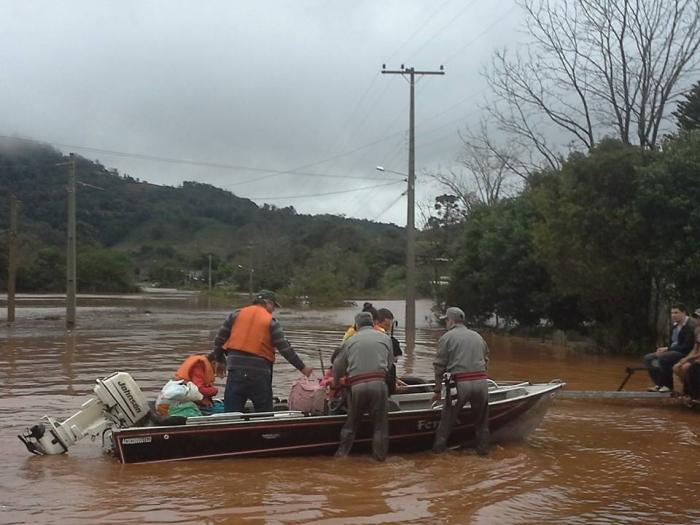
(119,403)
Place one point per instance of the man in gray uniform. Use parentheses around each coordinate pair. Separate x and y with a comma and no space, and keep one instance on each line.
(463,354)
(365,358)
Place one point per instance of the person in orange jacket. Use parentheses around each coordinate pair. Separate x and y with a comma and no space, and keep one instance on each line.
(249,340)
(202,370)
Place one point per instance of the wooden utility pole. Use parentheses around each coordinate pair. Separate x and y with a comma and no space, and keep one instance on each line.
(411,212)
(12,260)
(70,251)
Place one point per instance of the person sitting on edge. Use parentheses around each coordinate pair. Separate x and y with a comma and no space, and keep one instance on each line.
(365,359)
(681,367)
(385,322)
(248,338)
(202,370)
(462,353)
(352,330)
(660,363)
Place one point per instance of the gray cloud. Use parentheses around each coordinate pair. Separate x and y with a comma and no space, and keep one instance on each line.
(269,84)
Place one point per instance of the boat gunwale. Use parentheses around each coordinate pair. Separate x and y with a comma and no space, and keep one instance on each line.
(321,419)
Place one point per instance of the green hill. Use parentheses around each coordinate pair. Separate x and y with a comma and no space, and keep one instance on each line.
(165,234)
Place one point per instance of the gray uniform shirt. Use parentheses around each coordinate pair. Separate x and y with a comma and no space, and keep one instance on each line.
(460,350)
(367,351)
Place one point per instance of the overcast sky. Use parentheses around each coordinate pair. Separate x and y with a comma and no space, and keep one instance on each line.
(278,85)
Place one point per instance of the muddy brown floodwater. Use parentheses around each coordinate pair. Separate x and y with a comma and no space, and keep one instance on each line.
(602,462)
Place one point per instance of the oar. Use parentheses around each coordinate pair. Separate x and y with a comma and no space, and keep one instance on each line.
(320,358)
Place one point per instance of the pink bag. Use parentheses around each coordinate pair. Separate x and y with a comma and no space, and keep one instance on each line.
(307,395)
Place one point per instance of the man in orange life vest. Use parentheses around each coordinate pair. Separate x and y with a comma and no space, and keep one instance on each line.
(248,338)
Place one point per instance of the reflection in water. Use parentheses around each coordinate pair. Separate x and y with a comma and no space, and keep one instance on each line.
(68,356)
(591,462)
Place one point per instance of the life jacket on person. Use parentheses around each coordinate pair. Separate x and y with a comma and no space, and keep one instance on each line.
(185,370)
(251,332)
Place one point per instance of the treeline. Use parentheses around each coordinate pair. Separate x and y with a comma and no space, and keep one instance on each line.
(602,245)
(131,231)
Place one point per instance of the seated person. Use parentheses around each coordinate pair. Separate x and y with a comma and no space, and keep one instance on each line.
(681,367)
(681,341)
(202,371)
(385,322)
(367,307)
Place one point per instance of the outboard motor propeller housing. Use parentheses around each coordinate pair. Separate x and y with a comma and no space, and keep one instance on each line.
(119,403)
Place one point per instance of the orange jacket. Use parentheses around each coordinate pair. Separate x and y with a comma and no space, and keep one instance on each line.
(251,332)
(199,370)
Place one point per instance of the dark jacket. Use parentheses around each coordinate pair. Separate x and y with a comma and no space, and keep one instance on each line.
(686,338)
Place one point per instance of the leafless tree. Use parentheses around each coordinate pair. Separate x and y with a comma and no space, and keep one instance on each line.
(594,68)
(488,170)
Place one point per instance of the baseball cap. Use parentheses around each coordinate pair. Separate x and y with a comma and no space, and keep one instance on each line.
(267,295)
(454,314)
(696,313)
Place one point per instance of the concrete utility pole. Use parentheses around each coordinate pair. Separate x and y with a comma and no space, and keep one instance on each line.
(12,260)
(210,273)
(411,73)
(70,246)
(250,271)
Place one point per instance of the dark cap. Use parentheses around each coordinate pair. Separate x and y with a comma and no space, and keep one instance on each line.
(267,295)
(453,314)
(696,313)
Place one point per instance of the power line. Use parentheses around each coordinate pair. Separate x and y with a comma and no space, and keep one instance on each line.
(327,193)
(218,165)
(391,205)
(424,24)
(488,28)
(439,32)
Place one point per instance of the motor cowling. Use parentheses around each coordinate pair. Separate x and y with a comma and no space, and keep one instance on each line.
(119,403)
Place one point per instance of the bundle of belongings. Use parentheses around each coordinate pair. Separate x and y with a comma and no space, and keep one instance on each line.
(178,398)
(308,395)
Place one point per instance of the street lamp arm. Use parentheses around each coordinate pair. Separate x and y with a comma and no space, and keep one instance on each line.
(383,169)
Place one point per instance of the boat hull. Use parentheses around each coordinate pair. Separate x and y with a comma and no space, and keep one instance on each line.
(409,430)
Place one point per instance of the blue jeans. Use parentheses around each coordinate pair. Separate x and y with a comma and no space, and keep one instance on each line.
(661,366)
(245,383)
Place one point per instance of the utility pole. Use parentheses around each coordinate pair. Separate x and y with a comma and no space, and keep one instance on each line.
(12,260)
(70,246)
(250,272)
(210,273)
(411,74)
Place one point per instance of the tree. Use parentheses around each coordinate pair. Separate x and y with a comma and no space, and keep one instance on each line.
(668,200)
(497,272)
(594,68)
(103,270)
(688,112)
(46,272)
(593,240)
(487,170)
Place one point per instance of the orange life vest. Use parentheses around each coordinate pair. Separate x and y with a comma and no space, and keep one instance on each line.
(185,370)
(251,332)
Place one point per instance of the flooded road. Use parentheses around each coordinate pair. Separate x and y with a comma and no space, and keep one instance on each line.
(590,462)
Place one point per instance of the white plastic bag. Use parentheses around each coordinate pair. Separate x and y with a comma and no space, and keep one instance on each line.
(193,393)
(175,390)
